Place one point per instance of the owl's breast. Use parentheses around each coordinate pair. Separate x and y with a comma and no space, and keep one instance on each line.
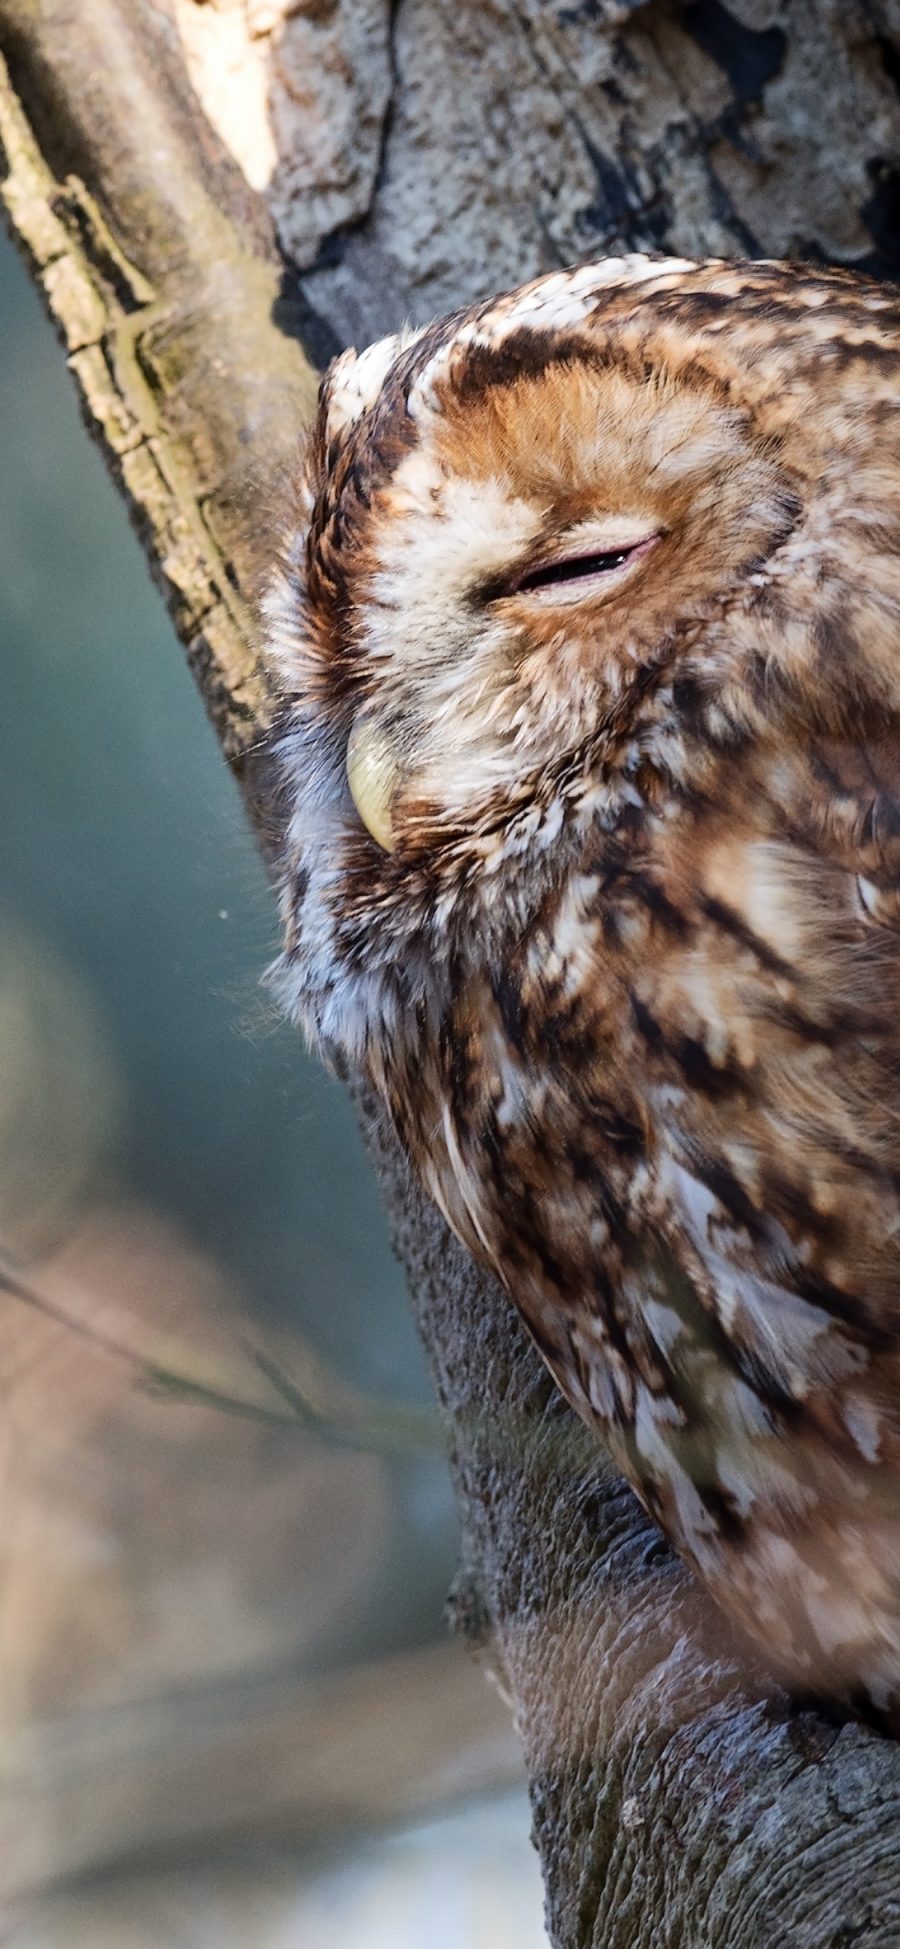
(665,1115)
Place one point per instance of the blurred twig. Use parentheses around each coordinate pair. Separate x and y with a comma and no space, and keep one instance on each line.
(313,1399)
(319,1400)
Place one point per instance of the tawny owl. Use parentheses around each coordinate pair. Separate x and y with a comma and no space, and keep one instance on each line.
(588,630)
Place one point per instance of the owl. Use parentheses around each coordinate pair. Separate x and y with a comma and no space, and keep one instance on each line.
(587,629)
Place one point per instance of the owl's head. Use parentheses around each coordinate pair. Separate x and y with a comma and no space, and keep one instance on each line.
(519,533)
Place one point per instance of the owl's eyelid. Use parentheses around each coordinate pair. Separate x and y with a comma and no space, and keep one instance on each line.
(579,565)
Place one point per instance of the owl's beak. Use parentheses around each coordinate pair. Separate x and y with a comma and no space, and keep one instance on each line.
(372,772)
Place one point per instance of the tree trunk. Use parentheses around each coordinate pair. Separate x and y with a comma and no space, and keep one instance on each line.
(204,188)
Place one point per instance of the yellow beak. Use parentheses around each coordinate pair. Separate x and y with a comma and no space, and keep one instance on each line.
(372,773)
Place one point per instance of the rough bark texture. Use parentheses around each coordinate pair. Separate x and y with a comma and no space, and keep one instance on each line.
(408,155)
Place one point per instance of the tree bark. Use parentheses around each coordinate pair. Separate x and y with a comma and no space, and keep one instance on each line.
(408,154)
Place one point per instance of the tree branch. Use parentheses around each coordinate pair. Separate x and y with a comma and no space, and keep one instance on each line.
(678,1797)
(275,1757)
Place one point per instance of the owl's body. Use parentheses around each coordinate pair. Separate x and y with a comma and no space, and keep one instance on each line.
(589,634)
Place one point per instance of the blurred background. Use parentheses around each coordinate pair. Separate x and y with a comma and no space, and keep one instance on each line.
(229,1708)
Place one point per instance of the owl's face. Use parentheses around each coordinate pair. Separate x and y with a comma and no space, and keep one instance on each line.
(524,567)
(519,532)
